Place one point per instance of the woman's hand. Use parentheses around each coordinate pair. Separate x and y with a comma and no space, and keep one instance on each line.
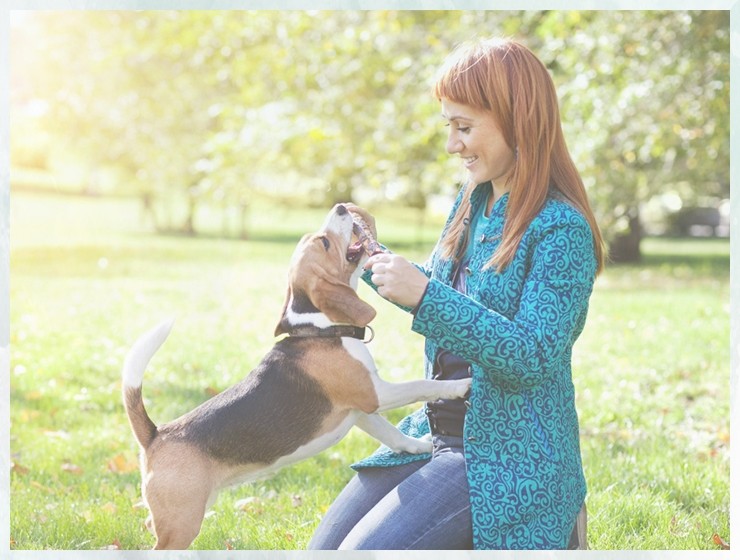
(397,279)
(365,215)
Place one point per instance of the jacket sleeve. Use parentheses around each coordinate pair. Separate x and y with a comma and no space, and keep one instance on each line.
(520,352)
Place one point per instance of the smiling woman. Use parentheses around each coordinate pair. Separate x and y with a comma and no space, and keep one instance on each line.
(501,300)
(475,135)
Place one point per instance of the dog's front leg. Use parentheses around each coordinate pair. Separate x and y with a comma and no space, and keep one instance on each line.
(393,395)
(385,432)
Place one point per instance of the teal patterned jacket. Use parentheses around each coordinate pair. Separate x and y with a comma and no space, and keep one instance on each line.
(517,329)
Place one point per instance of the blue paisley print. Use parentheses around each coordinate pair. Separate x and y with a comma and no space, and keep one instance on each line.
(517,329)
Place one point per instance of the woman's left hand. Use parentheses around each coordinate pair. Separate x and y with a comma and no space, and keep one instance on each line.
(397,279)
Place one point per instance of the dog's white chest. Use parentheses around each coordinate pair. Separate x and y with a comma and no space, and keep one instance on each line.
(358,350)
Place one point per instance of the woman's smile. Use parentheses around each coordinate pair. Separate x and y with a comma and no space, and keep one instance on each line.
(476,137)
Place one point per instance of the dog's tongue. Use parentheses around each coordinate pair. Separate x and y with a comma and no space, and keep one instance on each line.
(355,250)
(365,241)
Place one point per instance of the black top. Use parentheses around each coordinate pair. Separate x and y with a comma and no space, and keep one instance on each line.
(447,416)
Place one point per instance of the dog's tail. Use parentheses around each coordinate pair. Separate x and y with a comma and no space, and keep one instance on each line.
(133,373)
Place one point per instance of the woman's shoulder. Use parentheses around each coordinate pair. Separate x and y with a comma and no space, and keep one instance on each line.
(559,212)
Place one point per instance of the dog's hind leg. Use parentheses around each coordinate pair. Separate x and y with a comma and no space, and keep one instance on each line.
(177,521)
(387,433)
(177,493)
(177,532)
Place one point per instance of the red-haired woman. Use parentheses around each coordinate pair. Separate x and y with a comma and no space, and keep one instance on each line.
(502,298)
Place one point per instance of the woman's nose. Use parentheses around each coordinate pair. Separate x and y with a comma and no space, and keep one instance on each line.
(453,144)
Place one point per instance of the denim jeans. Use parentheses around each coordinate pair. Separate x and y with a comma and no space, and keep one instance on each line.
(423,505)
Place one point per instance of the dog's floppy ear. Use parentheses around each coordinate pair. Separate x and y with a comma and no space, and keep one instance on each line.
(341,303)
(281,327)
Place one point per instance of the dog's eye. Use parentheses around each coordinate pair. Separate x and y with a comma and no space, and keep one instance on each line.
(326,243)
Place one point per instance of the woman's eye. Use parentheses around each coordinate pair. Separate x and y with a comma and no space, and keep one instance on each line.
(463,129)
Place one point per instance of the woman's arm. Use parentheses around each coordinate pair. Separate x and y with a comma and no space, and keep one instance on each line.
(422,274)
(520,352)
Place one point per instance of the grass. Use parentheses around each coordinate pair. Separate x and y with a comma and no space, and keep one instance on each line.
(651,372)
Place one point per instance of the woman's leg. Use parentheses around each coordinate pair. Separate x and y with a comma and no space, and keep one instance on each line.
(428,510)
(360,495)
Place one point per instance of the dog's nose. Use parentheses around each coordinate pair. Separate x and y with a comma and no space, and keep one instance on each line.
(341,209)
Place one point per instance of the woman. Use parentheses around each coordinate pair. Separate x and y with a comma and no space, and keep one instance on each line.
(502,298)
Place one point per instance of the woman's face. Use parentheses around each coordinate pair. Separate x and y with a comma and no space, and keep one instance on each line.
(476,137)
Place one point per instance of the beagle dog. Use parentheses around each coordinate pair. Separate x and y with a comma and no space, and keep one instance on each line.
(303,397)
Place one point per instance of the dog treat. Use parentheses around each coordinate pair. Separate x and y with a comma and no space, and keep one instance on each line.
(365,236)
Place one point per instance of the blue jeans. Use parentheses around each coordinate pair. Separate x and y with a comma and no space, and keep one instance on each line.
(420,506)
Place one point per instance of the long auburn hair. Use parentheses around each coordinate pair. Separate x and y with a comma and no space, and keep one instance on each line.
(505,78)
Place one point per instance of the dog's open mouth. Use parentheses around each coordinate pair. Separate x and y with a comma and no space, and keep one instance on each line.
(365,242)
(355,250)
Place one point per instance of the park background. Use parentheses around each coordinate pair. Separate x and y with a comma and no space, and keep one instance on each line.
(165,163)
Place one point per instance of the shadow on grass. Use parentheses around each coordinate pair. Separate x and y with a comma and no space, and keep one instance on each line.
(703,257)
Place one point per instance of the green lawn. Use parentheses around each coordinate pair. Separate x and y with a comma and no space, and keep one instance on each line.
(87,277)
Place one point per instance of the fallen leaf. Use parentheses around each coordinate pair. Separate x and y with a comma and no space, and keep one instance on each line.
(297,501)
(27,415)
(40,486)
(229,546)
(211,391)
(19,469)
(110,507)
(122,465)
(57,434)
(115,545)
(720,542)
(246,503)
(71,468)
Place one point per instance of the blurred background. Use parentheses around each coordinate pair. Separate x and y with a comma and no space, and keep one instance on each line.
(205,116)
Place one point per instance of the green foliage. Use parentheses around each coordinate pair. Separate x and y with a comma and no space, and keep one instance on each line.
(196,107)
(650,372)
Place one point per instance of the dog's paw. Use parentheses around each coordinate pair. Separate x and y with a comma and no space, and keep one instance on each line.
(457,389)
(415,446)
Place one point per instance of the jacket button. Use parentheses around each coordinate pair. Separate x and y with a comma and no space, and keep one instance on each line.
(468,271)
(472,438)
(482,238)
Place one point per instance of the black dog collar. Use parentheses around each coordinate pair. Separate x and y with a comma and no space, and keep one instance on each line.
(334,331)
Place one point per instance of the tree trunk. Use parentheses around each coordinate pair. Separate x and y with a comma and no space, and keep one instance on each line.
(188,226)
(626,246)
(243,221)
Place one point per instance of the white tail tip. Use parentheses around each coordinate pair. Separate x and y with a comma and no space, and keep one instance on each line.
(142,351)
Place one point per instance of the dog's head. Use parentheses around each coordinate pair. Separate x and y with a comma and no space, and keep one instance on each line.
(323,275)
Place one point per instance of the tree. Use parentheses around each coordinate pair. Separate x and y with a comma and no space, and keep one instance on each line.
(645,103)
(210,107)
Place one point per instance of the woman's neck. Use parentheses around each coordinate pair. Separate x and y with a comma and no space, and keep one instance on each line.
(496,193)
